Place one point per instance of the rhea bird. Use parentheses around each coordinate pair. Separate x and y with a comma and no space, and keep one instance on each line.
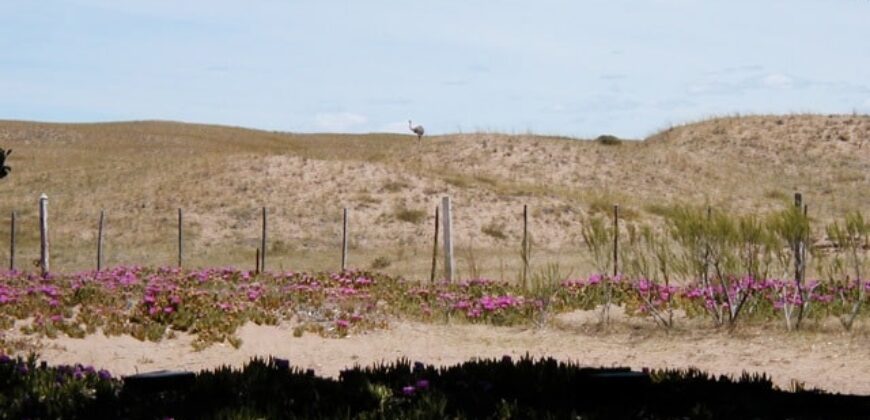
(4,169)
(418,130)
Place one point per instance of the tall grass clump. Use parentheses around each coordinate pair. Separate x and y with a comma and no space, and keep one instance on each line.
(599,237)
(647,255)
(852,237)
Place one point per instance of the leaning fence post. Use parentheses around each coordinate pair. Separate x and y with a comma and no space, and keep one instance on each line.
(344,240)
(100,241)
(12,242)
(180,238)
(448,239)
(43,234)
(434,249)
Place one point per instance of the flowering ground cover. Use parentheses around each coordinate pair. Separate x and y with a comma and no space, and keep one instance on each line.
(211,304)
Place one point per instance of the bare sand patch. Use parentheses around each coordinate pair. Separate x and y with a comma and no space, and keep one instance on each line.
(836,362)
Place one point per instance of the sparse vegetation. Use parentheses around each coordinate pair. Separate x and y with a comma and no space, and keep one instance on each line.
(221,176)
(412,216)
(380,263)
(458,181)
(395,186)
(495,230)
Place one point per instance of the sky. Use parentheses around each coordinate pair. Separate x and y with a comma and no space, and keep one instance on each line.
(574,68)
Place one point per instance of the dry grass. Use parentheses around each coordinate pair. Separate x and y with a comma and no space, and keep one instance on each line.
(141,172)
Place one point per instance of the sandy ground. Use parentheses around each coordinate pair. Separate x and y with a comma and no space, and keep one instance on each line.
(828,360)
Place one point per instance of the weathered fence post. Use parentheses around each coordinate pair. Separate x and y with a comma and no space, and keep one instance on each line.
(434,249)
(12,242)
(615,240)
(344,240)
(180,239)
(800,261)
(448,239)
(798,245)
(43,234)
(257,262)
(100,241)
(263,244)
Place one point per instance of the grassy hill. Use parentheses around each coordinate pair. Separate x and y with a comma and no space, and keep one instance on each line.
(142,172)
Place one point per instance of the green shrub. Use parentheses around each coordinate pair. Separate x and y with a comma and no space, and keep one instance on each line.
(608,140)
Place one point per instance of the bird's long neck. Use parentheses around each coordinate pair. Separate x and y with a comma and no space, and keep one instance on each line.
(409,125)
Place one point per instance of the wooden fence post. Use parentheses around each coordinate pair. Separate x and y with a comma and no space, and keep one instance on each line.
(43,234)
(434,249)
(615,240)
(180,239)
(257,262)
(100,241)
(12,242)
(448,239)
(263,244)
(797,247)
(344,240)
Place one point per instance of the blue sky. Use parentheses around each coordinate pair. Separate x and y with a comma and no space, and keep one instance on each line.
(577,68)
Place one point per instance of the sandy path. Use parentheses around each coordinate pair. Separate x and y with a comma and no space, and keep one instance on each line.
(831,361)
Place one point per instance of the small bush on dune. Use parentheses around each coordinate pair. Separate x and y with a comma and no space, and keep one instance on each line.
(608,140)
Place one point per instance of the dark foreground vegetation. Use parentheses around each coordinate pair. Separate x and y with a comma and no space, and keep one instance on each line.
(477,389)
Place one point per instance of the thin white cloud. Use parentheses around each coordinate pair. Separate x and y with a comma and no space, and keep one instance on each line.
(341,121)
(737,81)
(777,81)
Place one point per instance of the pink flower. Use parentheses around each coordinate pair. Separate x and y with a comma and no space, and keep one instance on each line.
(462,304)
